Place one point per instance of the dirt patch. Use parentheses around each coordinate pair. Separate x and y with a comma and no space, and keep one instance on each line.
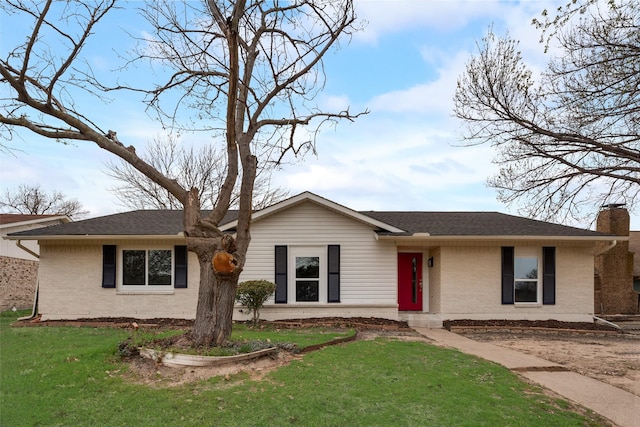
(145,371)
(613,359)
(596,350)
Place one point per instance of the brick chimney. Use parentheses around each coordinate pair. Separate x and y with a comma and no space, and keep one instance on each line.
(614,292)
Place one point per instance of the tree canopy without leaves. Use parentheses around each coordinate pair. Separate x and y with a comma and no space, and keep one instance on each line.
(568,140)
(245,71)
(33,200)
(202,168)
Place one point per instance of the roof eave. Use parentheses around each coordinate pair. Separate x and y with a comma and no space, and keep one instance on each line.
(427,236)
(98,237)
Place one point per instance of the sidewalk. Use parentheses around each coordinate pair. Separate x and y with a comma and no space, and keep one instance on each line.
(619,406)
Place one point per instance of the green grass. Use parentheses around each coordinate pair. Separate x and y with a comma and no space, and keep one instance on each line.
(302,338)
(61,376)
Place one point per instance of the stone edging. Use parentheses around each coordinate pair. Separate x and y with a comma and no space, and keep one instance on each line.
(328,343)
(179,359)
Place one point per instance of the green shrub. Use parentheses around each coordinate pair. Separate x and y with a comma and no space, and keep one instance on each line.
(253,294)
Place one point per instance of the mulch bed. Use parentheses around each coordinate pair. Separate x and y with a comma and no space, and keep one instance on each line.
(527,324)
(360,323)
(114,322)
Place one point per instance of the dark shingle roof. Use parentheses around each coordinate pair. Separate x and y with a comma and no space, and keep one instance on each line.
(475,224)
(169,223)
(136,223)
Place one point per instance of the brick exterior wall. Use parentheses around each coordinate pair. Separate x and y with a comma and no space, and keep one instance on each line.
(471,283)
(17,282)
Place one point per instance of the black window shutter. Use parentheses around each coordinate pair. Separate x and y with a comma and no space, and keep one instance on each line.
(180,266)
(109,266)
(549,275)
(507,275)
(281,274)
(334,273)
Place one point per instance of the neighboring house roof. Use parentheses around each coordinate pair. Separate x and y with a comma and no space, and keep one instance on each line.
(396,224)
(19,223)
(7,220)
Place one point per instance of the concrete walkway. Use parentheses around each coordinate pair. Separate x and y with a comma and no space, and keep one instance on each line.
(619,406)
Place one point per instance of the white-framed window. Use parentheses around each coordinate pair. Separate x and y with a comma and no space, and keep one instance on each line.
(146,269)
(527,276)
(308,275)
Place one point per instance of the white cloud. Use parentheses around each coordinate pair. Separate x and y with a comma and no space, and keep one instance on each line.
(426,98)
(391,16)
(334,102)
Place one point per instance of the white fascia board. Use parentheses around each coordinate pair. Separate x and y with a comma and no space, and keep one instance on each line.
(308,196)
(427,237)
(100,237)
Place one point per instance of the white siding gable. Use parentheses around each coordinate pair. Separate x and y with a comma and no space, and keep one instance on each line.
(368,266)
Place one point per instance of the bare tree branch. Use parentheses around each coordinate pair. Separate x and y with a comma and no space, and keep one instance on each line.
(33,200)
(203,168)
(571,141)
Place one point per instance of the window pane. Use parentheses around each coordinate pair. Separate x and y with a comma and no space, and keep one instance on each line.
(526,291)
(526,268)
(133,267)
(308,267)
(160,267)
(307,290)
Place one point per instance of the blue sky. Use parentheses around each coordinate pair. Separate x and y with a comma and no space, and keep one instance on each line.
(405,154)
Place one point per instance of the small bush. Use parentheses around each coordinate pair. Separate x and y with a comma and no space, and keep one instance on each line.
(253,294)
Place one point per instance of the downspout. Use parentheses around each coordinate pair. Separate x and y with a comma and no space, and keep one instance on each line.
(606,322)
(608,248)
(34,310)
(26,249)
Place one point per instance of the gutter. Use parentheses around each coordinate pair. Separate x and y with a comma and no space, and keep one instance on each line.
(178,236)
(34,310)
(429,237)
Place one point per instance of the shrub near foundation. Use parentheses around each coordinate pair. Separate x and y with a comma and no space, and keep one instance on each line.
(253,294)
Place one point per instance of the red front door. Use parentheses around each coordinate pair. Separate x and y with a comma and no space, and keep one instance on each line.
(410,281)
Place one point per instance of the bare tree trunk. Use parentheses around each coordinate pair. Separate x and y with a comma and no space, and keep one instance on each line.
(225,295)
(216,295)
(202,332)
(217,290)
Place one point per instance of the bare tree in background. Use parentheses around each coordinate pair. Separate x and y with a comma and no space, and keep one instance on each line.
(204,168)
(571,141)
(246,71)
(33,200)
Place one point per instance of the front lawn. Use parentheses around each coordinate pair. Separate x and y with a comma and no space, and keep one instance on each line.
(64,376)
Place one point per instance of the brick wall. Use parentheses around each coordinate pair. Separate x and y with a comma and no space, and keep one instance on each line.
(17,282)
(613,291)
